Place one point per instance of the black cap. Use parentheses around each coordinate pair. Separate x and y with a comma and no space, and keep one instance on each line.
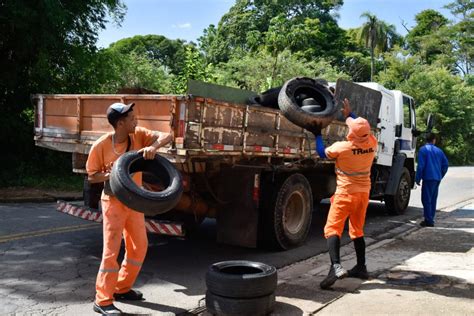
(118,110)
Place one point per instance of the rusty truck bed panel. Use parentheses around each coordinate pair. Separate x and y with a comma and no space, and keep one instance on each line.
(202,126)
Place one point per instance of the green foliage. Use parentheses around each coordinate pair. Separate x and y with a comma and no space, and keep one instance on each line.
(451,99)
(49,47)
(462,38)
(157,48)
(132,71)
(428,23)
(357,66)
(40,43)
(400,66)
(253,25)
(252,71)
(378,36)
(194,68)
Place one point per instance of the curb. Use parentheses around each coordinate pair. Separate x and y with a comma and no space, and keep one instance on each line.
(309,268)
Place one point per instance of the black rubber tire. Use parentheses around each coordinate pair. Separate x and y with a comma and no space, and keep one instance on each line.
(291,96)
(257,306)
(311,108)
(241,279)
(287,212)
(91,193)
(267,98)
(137,198)
(398,203)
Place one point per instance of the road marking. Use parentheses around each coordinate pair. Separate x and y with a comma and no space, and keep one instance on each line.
(46,232)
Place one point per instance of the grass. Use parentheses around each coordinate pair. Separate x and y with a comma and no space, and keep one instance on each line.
(72,182)
(62,181)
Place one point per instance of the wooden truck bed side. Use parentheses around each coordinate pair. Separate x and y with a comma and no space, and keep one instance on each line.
(72,123)
(203,127)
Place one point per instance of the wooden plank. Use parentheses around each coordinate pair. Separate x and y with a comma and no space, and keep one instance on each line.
(365,102)
(67,123)
(61,107)
(97,107)
(221,115)
(266,121)
(221,135)
(218,92)
(161,126)
(256,138)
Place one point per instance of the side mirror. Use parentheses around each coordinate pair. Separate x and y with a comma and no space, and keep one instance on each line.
(429,123)
(415,132)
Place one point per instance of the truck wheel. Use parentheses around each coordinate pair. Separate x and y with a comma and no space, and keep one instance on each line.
(398,203)
(287,214)
(138,198)
(241,279)
(296,93)
(91,193)
(257,306)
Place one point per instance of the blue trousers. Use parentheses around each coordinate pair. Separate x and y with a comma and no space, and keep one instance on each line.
(429,195)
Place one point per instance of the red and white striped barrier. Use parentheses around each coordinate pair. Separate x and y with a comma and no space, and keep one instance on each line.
(152,226)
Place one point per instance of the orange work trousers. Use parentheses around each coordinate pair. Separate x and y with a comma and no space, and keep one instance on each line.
(118,220)
(343,206)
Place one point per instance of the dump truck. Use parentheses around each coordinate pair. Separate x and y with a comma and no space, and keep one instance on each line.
(245,165)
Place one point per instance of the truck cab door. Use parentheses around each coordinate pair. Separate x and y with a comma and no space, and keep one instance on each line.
(386,126)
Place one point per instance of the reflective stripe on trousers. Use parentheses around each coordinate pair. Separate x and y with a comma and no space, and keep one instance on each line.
(120,220)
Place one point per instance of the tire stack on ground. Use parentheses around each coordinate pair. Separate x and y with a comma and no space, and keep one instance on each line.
(240,288)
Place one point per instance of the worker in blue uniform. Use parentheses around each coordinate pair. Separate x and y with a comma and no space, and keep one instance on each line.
(432,166)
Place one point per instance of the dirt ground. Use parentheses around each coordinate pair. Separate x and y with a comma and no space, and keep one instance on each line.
(29,194)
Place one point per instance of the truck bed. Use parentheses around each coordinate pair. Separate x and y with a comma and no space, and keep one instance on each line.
(202,127)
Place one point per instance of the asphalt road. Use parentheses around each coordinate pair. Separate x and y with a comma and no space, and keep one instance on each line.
(49,261)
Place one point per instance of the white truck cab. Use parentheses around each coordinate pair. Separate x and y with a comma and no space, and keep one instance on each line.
(393,172)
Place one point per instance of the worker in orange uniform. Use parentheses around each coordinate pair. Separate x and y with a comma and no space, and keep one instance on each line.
(114,282)
(354,159)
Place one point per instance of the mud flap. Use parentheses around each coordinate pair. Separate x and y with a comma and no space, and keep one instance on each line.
(395,173)
(237,220)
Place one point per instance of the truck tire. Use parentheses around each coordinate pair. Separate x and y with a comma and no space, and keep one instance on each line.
(137,198)
(296,93)
(241,279)
(91,193)
(287,212)
(267,98)
(257,306)
(398,203)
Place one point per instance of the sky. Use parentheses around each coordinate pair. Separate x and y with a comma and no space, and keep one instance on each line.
(186,19)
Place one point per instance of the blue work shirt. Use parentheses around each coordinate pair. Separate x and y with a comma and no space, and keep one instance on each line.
(432,163)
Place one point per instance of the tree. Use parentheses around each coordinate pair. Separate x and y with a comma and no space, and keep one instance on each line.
(401,65)
(430,38)
(206,42)
(356,65)
(378,36)
(252,71)
(39,42)
(436,90)
(246,24)
(169,53)
(463,41)
(194,68)
(428,22)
